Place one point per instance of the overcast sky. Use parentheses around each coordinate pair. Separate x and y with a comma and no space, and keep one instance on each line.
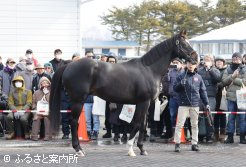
(90,22)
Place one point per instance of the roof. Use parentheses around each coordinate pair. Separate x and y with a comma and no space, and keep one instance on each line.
(234,32)
(109,44)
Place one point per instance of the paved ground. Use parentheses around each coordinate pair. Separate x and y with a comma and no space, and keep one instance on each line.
(105,153)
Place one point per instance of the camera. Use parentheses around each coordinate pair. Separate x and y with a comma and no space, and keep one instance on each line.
(173,66)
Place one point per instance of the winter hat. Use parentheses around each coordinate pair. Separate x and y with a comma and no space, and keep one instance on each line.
(219,58)
(48,65)
(43,79)
(178,59)
(10,60)
(237,54)
(22,58)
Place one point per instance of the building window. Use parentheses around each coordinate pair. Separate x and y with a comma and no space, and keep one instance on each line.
(242,47)
(206,48)
(105,51)
(88,49)
(122,52)
(225,48)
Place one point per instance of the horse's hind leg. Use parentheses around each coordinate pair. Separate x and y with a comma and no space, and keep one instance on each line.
(142,115)
(76,110)
(141,136)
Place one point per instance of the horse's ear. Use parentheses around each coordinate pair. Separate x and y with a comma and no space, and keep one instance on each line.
(183,33)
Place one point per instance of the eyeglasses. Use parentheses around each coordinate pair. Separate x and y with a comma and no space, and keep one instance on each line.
(11,62)
(111,61)
(236,58)
(47,67)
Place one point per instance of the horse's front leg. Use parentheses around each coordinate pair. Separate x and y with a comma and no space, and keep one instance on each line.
(76,110)
(138,125)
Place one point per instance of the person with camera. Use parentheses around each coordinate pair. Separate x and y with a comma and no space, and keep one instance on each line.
(190,88)
(211,77)
(233,78)
(220,119)
(176,68)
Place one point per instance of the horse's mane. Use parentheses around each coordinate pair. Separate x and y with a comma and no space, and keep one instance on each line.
(157,51)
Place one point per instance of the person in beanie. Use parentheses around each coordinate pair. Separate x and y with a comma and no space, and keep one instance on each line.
(76,56)
(220,119)
(49,69)
(190,88)
(42,93)
(21,66)
(233,77)
(19,99)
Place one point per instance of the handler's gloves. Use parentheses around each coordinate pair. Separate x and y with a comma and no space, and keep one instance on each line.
(207,107)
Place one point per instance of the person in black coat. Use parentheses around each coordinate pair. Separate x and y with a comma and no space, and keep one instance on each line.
(57,62)
(40,73)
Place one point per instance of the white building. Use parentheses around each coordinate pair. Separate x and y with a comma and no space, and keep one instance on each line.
(222,42)
(120,48)
(40,25)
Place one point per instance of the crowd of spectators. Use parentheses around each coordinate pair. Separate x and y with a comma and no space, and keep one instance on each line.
(26,85)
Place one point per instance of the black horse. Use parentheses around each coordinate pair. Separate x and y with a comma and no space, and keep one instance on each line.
(134,82)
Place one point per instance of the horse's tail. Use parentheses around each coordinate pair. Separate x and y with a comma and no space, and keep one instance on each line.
(55,99)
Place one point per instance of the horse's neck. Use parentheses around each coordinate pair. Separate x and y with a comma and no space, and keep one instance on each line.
(160,67)
(164,56)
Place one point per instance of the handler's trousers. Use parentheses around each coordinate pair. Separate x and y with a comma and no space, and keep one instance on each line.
(183,113)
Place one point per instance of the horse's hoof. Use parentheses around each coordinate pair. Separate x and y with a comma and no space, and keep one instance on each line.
(143,153)
(80,153)
(131,154)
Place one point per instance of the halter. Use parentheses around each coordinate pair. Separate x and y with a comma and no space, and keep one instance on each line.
(181,49)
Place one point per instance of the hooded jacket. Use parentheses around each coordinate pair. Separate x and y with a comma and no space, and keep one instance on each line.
(39,94)
(20,98)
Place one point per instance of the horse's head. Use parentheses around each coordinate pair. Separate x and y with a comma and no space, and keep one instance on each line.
(183,48)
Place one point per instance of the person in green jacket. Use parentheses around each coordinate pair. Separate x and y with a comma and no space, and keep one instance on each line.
(19,99)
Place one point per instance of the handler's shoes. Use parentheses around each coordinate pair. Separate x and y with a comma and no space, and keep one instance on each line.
(195,147)
(177,148)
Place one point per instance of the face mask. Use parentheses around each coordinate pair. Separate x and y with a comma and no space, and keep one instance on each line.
(58,56)
(18,84)
(11,67)
(29,67)
(45,90)
(29,56)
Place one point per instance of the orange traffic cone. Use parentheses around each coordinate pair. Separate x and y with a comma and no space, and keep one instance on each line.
(182,138)
(82,131)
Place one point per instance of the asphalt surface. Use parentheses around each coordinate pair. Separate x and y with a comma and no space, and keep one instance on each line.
(106,153)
